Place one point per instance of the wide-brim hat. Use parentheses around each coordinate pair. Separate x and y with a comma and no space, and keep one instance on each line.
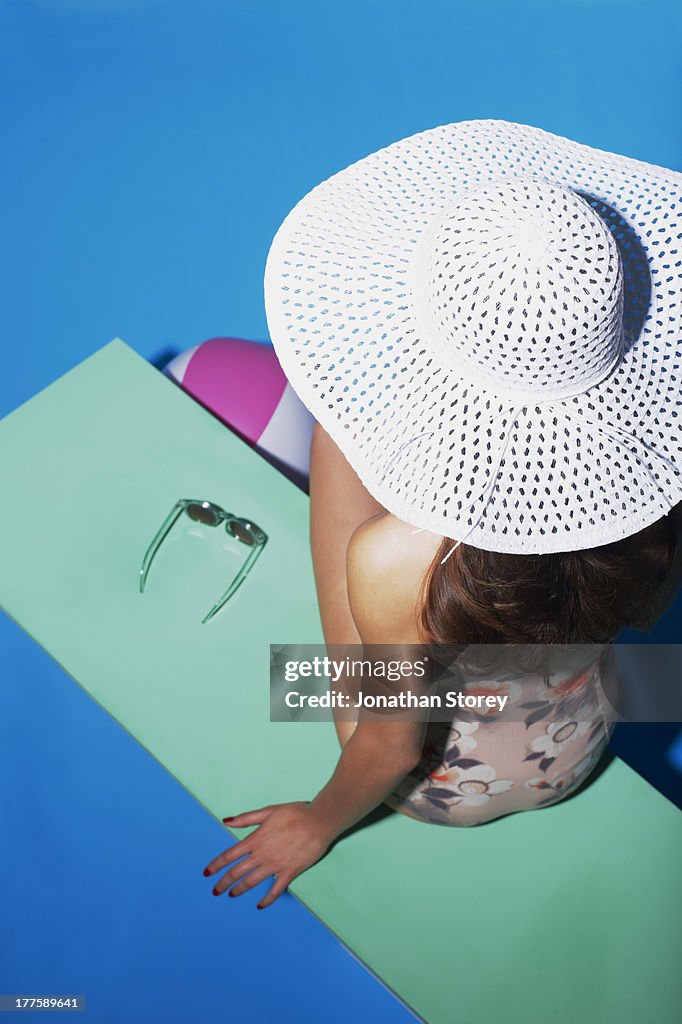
(487,320)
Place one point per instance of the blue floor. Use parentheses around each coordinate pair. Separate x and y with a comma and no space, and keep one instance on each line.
(150,150)
(101,887)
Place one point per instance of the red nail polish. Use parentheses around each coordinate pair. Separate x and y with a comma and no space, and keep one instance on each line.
(230,819)
(206,872)
(258,907)
(215,892)
(230,893)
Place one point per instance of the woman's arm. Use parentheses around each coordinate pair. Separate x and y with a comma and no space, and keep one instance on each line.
(293,836)
(339,503)
(379,753)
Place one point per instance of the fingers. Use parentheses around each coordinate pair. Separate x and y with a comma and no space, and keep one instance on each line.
(248,818)
(244,845)
(275,892)
(257,859)
(228,856)
(234,874)
(258,875)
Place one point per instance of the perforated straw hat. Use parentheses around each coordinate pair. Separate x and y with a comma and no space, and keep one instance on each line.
(486,318)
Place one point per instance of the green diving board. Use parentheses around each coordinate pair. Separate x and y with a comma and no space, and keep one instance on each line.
(563,914)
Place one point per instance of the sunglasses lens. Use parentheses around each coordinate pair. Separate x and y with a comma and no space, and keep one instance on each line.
(241,531)
(201,514)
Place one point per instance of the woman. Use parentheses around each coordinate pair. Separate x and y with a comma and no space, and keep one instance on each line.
(474,362)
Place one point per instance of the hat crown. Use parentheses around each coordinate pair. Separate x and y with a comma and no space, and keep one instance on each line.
(519,286)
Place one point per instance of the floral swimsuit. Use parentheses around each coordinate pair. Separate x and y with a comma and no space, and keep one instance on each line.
(479,766)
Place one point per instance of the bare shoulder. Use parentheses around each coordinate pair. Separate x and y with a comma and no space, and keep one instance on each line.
(386,563)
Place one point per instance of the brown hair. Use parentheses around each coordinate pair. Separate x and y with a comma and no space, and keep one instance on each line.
(565,597)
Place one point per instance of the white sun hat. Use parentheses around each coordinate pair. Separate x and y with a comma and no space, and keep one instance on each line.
(486,318)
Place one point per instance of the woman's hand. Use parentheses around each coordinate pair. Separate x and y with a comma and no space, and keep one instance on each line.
(290,838)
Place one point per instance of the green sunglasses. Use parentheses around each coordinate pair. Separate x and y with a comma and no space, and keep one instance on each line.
(211,515)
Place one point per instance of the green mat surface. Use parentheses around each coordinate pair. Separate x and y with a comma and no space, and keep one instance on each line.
(564,914)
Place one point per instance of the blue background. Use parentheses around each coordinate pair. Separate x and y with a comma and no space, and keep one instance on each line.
(150,150)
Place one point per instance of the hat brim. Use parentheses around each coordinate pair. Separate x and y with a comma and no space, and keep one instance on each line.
(425,442)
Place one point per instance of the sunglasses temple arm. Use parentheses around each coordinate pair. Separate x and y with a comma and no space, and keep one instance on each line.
(158,539)
(237,581)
